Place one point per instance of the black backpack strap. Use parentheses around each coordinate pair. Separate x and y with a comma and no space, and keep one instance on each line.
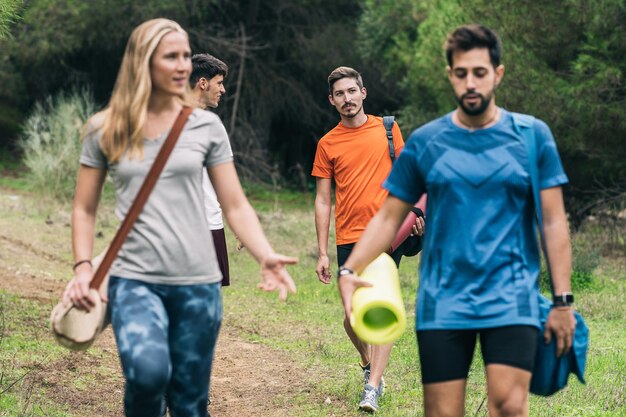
(388,122)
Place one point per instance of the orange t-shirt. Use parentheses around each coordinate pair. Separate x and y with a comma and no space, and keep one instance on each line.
(358,160)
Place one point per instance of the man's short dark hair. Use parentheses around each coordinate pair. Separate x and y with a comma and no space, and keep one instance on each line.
(207,66)
(467,37)
(343,72)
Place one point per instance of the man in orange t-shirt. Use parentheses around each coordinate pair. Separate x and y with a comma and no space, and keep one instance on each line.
(355,154)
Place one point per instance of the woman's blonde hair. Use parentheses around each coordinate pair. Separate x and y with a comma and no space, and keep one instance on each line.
(123,120)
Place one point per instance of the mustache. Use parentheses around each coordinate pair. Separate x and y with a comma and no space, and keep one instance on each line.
(348,105)
(472,93)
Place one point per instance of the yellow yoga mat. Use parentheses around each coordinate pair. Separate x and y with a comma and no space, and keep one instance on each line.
(378,315)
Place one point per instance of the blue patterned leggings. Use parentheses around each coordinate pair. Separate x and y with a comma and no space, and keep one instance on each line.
(166,337)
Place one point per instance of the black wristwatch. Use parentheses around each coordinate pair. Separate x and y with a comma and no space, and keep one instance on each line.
(344,271)
(565,299)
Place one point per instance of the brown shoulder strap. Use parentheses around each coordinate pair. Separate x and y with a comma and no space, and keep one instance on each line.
(142,197)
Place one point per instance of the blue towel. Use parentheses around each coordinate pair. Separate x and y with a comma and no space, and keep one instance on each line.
(551,373)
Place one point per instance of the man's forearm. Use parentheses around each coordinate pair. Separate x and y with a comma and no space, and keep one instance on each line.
(374,241)
(559,254)
(322,225)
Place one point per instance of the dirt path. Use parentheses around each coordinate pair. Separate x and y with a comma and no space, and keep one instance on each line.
(247,377)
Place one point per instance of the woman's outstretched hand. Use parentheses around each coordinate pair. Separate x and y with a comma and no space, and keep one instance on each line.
(275,276)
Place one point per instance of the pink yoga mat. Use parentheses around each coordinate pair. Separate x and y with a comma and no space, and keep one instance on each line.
(407,225)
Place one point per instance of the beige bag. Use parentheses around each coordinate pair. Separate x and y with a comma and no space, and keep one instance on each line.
(77,329)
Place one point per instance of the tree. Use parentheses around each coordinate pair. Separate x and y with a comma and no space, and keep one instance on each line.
(8,15)
(565,62)
(278,52)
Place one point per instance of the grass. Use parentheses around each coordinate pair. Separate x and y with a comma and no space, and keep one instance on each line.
(24,350)
(276,199)
(12,173)
(308,326)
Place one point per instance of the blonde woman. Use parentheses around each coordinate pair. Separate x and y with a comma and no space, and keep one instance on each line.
(164,292)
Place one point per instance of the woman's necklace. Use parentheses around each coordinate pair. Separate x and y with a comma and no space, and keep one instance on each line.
(475,127)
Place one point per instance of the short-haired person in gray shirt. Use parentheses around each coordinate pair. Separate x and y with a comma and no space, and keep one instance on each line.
(164,291)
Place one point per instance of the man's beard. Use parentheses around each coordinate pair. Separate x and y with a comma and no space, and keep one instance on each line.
(479,108)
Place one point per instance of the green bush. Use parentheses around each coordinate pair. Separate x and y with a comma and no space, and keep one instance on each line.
(585,259)
(51,142)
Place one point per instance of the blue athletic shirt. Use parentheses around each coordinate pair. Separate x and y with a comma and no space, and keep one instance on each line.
(480,259)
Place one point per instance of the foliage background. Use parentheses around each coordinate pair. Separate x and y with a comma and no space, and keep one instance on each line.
(565,62)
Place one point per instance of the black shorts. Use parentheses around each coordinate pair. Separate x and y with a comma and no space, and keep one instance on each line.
(219,241)
(343,251)
(446,355)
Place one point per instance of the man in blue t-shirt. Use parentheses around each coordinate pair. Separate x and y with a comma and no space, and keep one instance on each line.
(480,260)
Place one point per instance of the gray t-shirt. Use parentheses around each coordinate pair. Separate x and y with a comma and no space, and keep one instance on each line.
(170,242)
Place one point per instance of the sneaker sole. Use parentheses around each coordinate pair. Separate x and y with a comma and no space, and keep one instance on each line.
(367,407)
